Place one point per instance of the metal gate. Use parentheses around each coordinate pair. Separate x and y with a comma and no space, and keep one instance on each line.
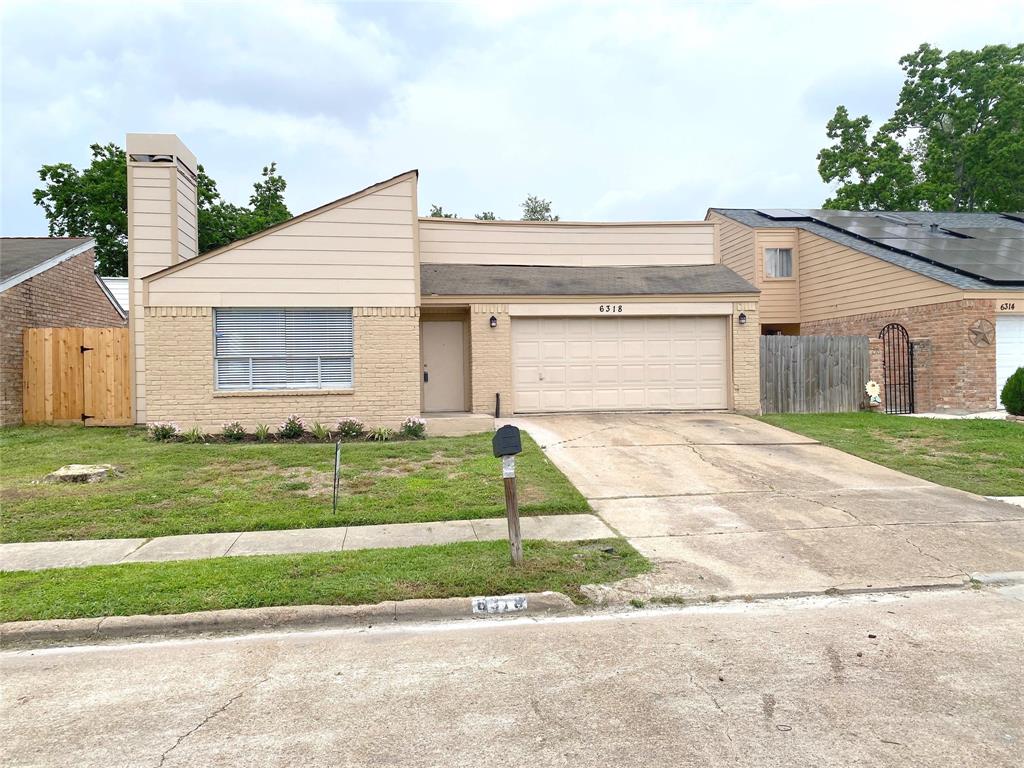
(898,368)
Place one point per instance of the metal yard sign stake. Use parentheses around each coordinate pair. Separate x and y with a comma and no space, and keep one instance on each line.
(507,443)
(337,474)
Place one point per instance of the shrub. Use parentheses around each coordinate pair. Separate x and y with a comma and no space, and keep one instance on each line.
(380,434)
(1013,393)
(292,428)
(194,435)
(414,428)
(233,431)
(163,430)
(262,432)
(350,428)
(319,431)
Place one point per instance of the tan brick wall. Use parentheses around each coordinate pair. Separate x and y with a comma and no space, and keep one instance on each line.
(746,359)
(179,374)
(950,373)
(65,296)
(491,357)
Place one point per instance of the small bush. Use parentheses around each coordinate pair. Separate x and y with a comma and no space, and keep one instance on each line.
(233,431)
(381,434)
(292,428)
(350,428)
(414,428)
(262,432)
(194,435)
(1013,393)
(163,430)
(319,431)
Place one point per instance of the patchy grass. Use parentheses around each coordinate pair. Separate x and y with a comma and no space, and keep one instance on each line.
(978,455)
(174,488)
(344,578)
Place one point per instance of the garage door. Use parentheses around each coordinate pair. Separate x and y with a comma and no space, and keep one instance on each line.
(619,363)
(1009,348)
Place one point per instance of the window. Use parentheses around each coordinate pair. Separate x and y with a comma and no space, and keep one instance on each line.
(283,348)
(778,262)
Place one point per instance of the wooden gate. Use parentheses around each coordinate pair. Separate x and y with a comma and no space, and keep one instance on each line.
(77,375)
(813,374)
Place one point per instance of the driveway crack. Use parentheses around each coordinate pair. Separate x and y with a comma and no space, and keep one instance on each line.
(718,705)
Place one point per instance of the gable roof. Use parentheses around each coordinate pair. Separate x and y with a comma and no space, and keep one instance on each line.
(414,173)
(24,257)
(1000,238)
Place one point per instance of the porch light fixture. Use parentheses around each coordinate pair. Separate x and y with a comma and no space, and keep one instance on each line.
(742,318)
(494,322)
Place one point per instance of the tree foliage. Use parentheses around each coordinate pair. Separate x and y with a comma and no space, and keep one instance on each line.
(954,143)
(537,209)
(485,216)
(437,212)
(93,202)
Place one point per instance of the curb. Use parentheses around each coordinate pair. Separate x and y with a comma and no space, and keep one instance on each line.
(63,632)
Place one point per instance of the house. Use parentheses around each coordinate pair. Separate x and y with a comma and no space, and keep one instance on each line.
(361,308)
(118,288)
(955,281)
(46,282)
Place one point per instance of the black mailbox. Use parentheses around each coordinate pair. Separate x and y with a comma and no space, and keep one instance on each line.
(507,442)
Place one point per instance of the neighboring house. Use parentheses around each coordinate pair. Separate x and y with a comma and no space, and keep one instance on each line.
(118,288)
(955,281)
(362,308)
(46,282)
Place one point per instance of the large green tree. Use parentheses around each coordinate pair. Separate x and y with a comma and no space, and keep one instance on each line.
(93,202)
(954,143)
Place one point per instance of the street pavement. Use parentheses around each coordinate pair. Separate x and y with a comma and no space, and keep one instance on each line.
(916,679)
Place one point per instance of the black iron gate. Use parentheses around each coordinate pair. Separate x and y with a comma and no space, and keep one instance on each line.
(898,368)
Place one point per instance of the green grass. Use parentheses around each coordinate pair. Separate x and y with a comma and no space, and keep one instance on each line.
(173,488)
(978,455)
(346,578)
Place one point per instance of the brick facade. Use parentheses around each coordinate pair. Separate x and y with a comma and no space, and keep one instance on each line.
(950,372)
(490,357)
(746,359)
(64,296)
(180,387)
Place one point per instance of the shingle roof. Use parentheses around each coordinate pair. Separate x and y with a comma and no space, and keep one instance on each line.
(490,280)
(20,254)
(755,218)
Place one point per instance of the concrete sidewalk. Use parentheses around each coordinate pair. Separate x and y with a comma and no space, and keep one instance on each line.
(34,556)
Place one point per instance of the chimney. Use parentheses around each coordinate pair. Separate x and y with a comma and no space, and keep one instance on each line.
(162,229)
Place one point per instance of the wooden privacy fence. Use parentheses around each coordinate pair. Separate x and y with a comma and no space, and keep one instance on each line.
(77,375)
(813,374)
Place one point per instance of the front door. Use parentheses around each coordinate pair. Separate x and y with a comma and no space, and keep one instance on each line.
(444,380)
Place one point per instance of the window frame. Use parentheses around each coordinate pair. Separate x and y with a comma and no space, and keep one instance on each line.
(792,262)
(304,386)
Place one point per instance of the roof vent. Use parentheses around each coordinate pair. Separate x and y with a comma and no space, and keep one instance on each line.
(933,228)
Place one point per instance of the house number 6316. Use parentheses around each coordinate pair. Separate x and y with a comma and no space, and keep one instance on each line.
(609,308)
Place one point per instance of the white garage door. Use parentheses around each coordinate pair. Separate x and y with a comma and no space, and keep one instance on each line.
(1009,348)
(619,363)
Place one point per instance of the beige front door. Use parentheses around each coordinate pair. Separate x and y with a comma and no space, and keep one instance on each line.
(444,368)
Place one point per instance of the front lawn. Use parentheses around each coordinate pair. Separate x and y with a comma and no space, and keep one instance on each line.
(172,488)
(978,455)
(342,578)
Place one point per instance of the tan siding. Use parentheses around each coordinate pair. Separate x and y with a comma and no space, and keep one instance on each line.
(188,246)
(736,243)
(356,254)
(836,281)
(464,242)
(780,298)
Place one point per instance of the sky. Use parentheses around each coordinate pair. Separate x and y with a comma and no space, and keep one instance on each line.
(613,111)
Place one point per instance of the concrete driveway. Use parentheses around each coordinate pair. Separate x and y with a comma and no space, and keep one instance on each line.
(727,506)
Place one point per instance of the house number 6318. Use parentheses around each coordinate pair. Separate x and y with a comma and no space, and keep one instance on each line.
(609,308)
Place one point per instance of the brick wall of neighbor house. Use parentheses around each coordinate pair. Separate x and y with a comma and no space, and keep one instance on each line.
(491,356)
(746,359)
(950,372)
(65,296)
(179,374)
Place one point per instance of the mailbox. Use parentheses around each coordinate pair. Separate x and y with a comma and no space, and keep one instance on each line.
(507,442)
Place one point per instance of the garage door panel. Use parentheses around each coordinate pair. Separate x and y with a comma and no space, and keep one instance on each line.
(1009,349)
(619,363)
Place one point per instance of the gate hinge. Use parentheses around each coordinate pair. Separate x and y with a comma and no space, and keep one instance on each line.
(87,416)
(85,349)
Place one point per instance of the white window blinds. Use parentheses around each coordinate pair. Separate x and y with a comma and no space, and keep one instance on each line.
(283,348)
(778,262)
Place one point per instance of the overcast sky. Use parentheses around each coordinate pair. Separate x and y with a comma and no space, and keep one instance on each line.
(613,111)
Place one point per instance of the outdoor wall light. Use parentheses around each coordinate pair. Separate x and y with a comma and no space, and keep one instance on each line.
(494,322)
(742,318)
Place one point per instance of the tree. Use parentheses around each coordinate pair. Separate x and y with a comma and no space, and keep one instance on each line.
(537,209)
(955,141)
(485,216)
(437,212)
(93,202)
